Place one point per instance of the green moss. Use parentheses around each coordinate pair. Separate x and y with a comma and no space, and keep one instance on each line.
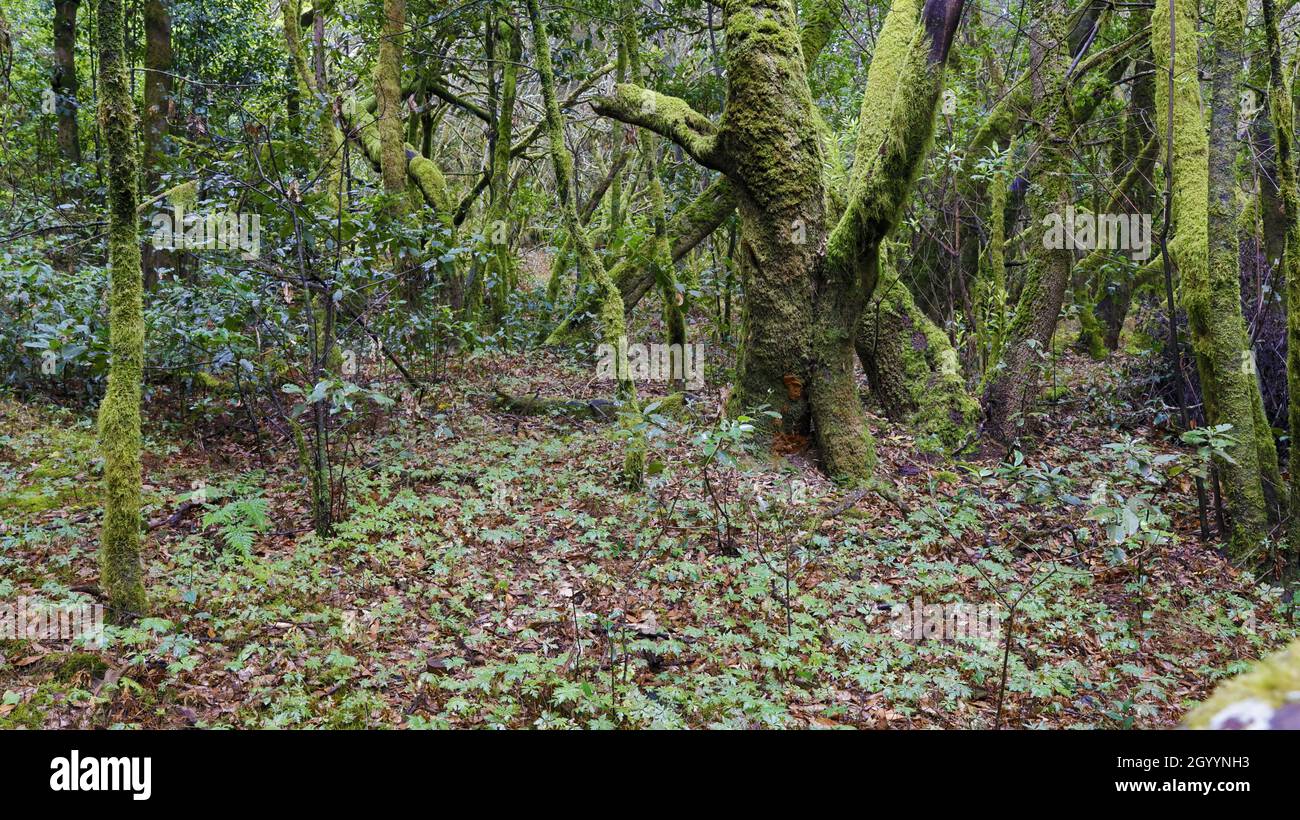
(1280,108)
(1207,261)
(1012,387)
(388,117)
(609,308)
(30,713)
(1090,339)
(37,499)
(68,667)
(503,268)
(1255,695)
(331,139)
(912,367)
(422,172)
(119,413)
(991,290)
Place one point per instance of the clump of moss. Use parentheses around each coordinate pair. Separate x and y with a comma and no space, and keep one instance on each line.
(1265,697)
(1090,339)
(71,665)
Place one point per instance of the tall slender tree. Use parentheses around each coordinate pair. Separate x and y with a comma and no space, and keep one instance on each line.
(1235,386)
(388,98)
(155,121)
(119,412)
(1283,116)
(64,81)
(1013,386)
(613,325)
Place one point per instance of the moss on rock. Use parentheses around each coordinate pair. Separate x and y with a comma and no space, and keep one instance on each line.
(1266,697)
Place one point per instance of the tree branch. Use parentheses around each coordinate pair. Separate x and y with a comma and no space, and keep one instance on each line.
(669,117)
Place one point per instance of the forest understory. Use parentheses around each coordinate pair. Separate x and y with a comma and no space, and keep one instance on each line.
(491,573)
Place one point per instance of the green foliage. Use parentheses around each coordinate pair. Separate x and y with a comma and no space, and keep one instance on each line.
(238,522)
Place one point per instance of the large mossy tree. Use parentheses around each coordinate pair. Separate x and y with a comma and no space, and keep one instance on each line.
(809,248)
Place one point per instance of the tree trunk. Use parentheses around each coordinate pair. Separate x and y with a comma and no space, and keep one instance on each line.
(388,99)
(1229,351)
(1012,389)
(806,282)
(119,412)
(1284,138)
(6,57)
(912,367)
(610,316)
(157,111)
(64,82)
(503,269)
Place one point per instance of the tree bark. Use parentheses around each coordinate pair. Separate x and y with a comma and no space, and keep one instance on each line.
(388,98)
(1140,142)
(1229,353)
(119,412)
(612,323)
(1013,387)
(806,276)
(64,81)
(912,367)
(1281,112)
(154,122)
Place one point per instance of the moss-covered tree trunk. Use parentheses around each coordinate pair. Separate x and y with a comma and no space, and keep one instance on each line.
(6,56)
(658,251)
(119,412)
(388,99)
(912,367)
(806,275)
(1138,152)
(610,312)
(1140,146)
(1235,383)
(701,217)
(909,362)
(503,270)
(1013,384)
(313,90)
(1280,109)
(64,80)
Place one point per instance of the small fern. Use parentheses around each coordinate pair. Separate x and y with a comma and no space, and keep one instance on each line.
(239,521)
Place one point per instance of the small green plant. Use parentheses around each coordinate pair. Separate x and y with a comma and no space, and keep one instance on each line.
(1211,444)
(238,521)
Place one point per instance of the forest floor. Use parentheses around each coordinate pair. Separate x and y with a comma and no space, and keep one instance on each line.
(491,571)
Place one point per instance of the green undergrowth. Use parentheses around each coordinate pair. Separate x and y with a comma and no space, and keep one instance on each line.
(491,571)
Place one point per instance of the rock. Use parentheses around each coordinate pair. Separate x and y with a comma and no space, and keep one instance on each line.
(1266,697)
